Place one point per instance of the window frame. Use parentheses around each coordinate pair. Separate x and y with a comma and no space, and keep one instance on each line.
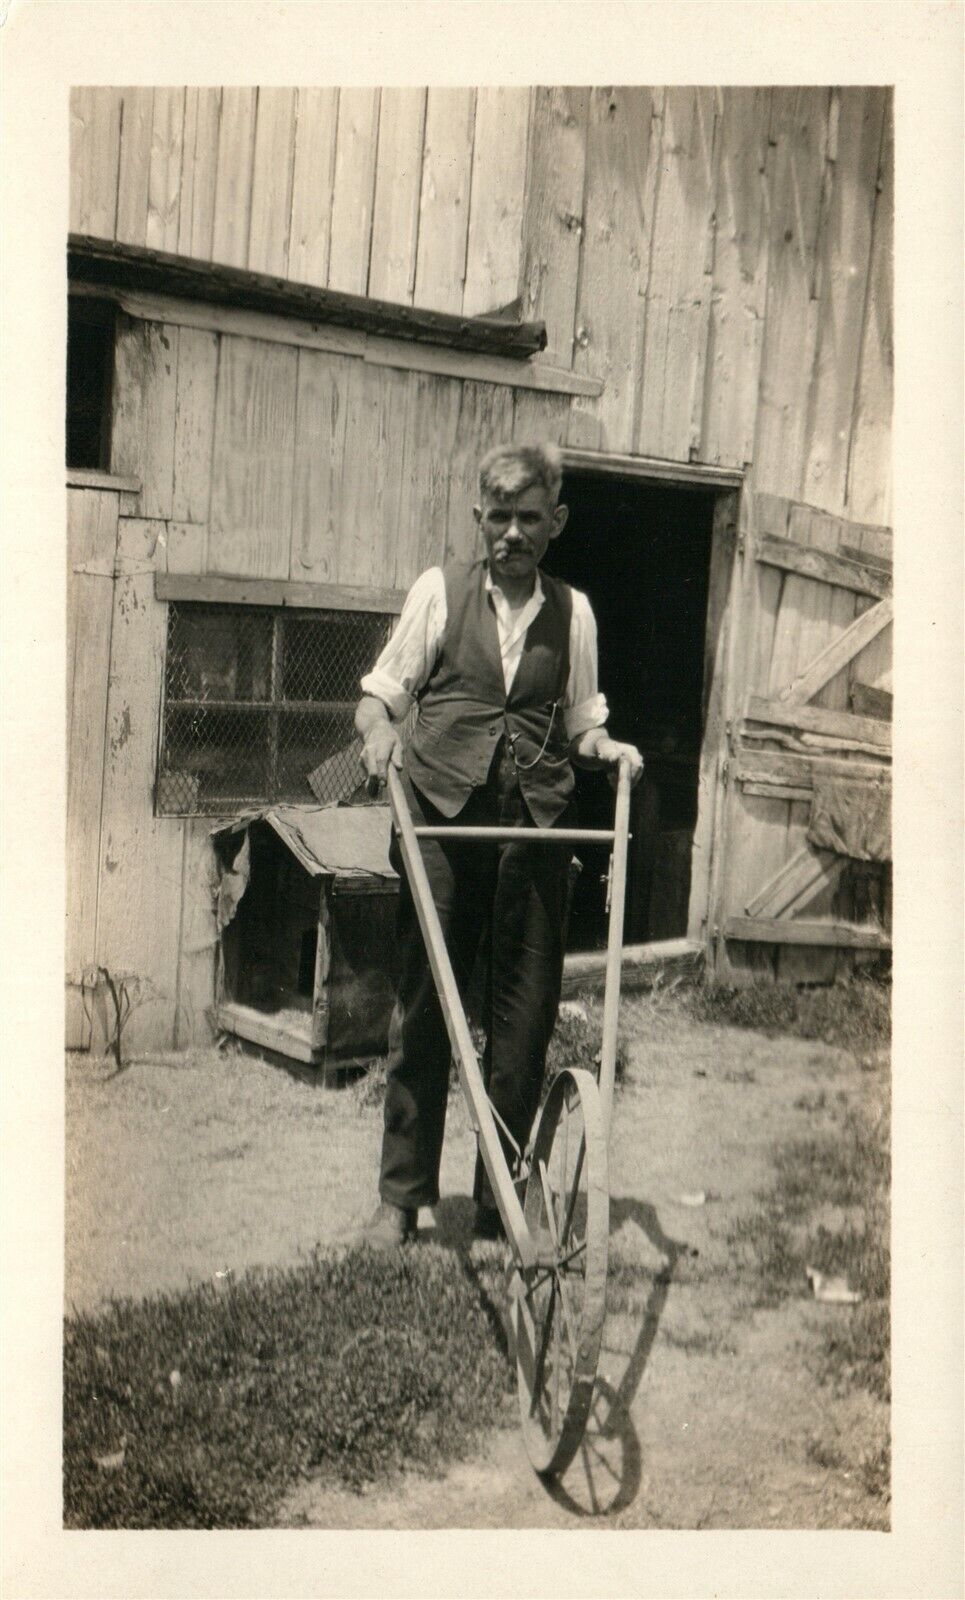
(92,311)
(275,708)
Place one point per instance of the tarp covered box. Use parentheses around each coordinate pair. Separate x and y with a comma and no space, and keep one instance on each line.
(306,917)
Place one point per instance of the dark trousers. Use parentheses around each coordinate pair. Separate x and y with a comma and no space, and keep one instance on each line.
(511,899)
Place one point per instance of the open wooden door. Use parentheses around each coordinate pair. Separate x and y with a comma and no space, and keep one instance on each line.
(802,882)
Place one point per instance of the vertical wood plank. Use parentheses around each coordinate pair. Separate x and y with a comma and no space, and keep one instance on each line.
(811,603)
(202,117)
(768,515)
(756,848)
(413,504)
(319,452)
(91,540)
(869,463)
(497,189)
(803,611)
(185,547)
(444,201)
(485,419)
(316,116)
(164,174)
(731,512)
(139,905)
(127,402)
(197,937)
(841,612)
(194,424)
(137,132)
(397,391)
(680,280)
(844,265)
(540,417)
(722,600)
(432,417)
(872,665)
(398,183)
(354,187)
(806,963)
(145,405)
(736,332)
(271,182)
(251,473)
(95,151)
(372,474)
(797,174)
(621,176)
(232,200)
(553,216)
(160,410)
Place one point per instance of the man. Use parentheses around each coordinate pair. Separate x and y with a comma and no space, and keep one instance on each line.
(502,662)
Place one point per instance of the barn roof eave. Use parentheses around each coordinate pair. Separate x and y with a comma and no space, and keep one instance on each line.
(114,267)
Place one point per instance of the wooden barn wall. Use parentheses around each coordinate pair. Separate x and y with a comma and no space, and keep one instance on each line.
(255,459)
(720,257)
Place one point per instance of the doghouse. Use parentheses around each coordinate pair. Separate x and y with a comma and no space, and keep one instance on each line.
(306,916)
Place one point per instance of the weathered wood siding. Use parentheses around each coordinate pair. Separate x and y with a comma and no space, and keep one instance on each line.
(797,695)
(255,459)
(261,459)
(721,257)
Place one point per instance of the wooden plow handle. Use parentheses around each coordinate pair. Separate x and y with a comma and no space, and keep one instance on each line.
(460,1038)
(614,948)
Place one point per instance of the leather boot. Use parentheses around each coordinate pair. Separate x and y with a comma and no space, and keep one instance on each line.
(388,1229)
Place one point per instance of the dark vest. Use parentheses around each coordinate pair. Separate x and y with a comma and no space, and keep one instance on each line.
(464,708)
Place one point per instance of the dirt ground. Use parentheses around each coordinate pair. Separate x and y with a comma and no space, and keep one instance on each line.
(184,1168)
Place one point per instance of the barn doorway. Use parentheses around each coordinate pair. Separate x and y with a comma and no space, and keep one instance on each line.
(641,552)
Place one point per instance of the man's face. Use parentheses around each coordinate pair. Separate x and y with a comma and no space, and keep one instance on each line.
(517,529)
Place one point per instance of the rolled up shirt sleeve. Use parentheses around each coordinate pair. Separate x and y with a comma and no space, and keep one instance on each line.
(410,655)
(584,706)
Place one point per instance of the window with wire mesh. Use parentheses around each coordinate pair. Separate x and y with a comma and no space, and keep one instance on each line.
(259,705)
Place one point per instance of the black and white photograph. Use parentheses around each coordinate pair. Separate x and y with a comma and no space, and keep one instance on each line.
(337,359)
(477,973)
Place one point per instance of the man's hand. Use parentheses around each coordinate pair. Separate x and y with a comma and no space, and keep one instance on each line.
(611,752)
(382,747)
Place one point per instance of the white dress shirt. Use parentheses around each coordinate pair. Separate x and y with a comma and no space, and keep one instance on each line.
(405,664)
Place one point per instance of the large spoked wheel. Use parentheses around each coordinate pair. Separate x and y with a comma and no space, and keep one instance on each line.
(560,1311)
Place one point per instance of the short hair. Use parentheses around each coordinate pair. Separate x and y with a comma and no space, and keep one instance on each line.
(511,468)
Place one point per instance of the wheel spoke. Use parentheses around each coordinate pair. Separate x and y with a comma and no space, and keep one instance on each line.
(557,1365)
(564,1308)
(548,1204)
(594,1502)
(541,1354)
(571,1255)
(574,1193)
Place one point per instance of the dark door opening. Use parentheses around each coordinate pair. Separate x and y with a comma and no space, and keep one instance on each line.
(641,553)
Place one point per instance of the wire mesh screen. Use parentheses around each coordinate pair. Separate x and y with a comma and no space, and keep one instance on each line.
(259,705)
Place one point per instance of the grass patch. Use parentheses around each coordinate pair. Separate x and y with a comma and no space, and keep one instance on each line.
(855,1354)
(843,1173)
(855,1016)
(629,1285)
(699,1341)
(199,1410)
